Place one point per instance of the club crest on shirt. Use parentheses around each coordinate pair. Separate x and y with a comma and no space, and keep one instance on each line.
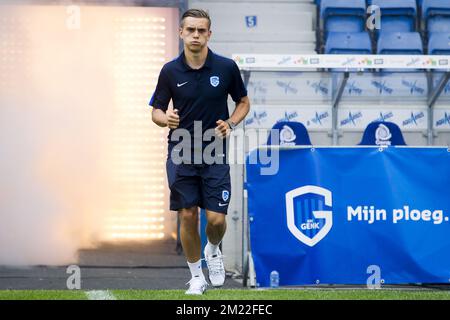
(214,81)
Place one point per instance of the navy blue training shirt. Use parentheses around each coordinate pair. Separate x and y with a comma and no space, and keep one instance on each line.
(198,94)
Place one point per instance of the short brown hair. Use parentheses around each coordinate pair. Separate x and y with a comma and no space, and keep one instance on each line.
(196,13)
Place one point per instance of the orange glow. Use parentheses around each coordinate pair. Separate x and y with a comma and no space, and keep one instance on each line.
(75,124)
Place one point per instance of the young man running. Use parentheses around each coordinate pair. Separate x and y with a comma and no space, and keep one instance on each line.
(198,82)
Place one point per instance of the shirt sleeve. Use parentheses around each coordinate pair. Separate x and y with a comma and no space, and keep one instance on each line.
(162,95)
(237,88)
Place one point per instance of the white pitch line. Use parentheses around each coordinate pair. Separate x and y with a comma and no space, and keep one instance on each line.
(100,295)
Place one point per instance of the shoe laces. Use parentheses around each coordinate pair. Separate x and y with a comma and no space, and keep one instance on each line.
(197,281)
(216,264)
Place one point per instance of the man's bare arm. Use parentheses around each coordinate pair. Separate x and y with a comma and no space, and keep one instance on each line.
(239,113)
(169,118)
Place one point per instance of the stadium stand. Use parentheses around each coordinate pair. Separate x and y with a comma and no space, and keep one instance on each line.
(250,27)
(400,17)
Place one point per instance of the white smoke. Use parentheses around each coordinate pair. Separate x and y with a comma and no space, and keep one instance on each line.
(55,120)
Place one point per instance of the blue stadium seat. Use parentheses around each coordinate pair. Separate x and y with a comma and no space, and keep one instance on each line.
(435,8)
(342,8)
(438,24)
(382,133)
(344,24)
(396,15)
(348,43)
(400,43)
(291,133)
(343,15)
(396,7)
(397,24)
(439,44)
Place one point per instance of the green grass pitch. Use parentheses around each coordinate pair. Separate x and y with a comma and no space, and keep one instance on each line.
(229,294)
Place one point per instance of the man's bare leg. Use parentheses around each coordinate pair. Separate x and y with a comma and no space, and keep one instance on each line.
(216,226)
(190,238)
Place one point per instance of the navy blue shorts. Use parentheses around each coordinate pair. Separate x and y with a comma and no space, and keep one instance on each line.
(203,185)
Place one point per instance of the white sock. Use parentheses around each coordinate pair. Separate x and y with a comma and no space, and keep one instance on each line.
(211,249)
(196,269)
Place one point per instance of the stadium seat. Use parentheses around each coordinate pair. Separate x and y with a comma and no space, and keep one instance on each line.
(396,7)
(382,133)
(348,43)
(408,43)
(439,44)
(342,8)
(400,43)
(435,8)
(438,24)
(344,24)
(343,15)
(397,24)
(396,15)
(291,133)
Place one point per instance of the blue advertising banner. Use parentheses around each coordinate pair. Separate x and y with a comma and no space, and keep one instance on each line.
(349,215)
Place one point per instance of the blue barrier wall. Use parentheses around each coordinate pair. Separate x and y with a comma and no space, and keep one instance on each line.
(329,214)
